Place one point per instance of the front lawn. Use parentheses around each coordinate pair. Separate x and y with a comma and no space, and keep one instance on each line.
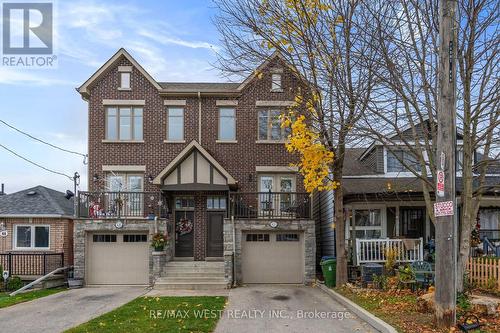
(159,314)
(6,300)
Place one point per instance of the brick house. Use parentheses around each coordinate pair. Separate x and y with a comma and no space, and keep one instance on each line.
(36,231)
(204,163)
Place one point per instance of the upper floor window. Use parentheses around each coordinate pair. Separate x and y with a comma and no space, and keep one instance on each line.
(227,124)
(175,126)
(399,160)
(270,126)
(124,182)
(276,82)
(124,123)
(124,80)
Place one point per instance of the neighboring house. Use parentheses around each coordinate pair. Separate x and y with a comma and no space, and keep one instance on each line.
(36,231)
(384,204)
(183,158)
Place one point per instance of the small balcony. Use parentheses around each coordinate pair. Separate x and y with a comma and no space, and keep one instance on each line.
(109,205)
(270,205)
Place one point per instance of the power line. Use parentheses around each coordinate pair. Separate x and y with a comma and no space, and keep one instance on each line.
(34,163)
(42,141)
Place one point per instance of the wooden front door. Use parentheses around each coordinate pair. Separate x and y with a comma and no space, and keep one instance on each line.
(215,238)
(184,233)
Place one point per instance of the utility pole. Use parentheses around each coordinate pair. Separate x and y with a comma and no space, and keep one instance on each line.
(445,207)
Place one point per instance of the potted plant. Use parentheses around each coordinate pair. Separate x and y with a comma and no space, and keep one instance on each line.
(158,241)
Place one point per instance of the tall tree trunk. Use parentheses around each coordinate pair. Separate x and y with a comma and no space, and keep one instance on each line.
(340,248)
(468,217)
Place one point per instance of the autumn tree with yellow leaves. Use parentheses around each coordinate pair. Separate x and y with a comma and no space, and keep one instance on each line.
(327,45)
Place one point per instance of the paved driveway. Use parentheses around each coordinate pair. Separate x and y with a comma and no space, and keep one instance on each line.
(286,308)
(58,312)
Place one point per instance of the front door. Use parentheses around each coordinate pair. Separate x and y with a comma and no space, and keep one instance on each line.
(412,222)
(184,233)
(215,238)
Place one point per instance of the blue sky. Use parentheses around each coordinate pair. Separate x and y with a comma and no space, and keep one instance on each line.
(174,40)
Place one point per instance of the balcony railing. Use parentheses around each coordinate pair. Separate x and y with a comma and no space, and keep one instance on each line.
(102,205)
(285,205)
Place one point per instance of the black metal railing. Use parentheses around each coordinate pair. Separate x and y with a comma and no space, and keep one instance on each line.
(291,205)
(101,205)
(31,263)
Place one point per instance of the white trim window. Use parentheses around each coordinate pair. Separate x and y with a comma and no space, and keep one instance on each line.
(394,160)
(276,82)
(175,124)
(270,126)
(29,237)
(227,124)
(368,223)
(124,123)
(125,80)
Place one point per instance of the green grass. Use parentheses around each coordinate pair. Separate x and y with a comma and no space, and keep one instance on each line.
(159,314)
(6,300)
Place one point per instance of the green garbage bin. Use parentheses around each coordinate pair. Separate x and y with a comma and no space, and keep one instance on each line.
(329,268)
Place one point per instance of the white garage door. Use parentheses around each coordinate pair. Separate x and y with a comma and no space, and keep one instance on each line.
(117,258)
(272,257)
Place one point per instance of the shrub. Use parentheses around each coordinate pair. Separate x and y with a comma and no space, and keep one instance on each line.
(14,283)
(380,281)
(391,255)
(1,273)
(463,302)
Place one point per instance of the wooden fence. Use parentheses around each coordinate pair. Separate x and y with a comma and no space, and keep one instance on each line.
(484,272)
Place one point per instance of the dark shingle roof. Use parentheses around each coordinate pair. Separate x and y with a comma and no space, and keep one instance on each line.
(407,184)
(198,86)
(353,166)
(38,200)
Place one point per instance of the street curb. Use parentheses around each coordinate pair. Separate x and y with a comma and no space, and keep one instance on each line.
(371,319)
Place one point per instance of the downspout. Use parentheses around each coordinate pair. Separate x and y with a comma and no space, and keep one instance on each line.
(199,117)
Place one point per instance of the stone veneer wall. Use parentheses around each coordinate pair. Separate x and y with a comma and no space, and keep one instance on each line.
(82,227)
(307,226)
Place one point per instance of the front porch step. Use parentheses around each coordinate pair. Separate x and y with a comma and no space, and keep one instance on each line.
(190,274)
(194,275)
(190,285)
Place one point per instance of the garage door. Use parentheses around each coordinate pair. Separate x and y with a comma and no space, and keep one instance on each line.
(117,258)
(272,257)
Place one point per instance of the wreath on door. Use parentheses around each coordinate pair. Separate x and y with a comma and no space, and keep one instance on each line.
(184,226)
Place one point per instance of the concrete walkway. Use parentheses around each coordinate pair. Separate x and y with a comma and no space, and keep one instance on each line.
(61,311)
(286,308)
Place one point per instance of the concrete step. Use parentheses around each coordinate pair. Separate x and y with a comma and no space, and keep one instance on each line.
(190,285)
(198,279)
(195,264)
(191,274)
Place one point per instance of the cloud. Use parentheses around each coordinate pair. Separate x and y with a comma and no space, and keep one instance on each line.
(16,76)
(163,39)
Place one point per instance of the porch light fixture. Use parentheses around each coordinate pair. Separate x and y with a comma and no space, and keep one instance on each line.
(95,178)
(150,179)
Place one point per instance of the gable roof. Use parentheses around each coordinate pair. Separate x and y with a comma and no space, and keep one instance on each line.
(230,88)
(183,154)
(83,89)
(38,200)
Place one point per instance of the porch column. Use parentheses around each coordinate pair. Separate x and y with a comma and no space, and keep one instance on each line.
(396,220)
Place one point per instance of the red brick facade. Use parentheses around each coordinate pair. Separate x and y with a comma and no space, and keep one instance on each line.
(61,236)
(239,159)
